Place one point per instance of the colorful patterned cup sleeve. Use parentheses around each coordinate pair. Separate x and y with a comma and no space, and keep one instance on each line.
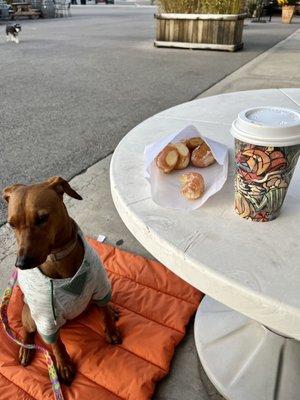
(262,179)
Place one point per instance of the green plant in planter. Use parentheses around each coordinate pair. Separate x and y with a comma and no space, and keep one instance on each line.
(222,6)
(202,6)
(179,6)
(251,7)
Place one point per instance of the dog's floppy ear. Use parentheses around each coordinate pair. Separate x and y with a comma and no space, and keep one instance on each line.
(8,191)
(61,186)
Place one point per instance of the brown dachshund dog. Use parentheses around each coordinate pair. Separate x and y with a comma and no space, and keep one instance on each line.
(44,231)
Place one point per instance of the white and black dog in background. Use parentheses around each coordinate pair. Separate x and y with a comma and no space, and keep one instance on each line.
(12,33)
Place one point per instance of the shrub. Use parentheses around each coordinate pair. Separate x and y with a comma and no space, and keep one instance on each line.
(251,6)
(202,6)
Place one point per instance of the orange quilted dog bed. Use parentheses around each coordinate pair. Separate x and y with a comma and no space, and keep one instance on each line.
(155,306)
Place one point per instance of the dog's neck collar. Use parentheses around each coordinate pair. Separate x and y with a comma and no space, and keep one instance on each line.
(62,252)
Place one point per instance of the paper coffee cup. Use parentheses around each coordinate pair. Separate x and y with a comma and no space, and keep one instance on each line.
(267,146)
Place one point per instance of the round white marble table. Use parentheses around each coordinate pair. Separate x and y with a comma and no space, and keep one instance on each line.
(250,271)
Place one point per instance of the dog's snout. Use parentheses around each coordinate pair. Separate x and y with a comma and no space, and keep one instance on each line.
(24,262)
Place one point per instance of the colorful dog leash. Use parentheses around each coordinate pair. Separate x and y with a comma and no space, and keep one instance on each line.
(3,313)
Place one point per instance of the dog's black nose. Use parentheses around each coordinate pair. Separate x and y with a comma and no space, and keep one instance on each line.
(24,262)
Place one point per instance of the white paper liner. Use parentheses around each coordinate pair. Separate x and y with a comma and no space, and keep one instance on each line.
(165,188)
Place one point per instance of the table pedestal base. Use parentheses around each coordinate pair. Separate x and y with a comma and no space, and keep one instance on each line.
(244,359)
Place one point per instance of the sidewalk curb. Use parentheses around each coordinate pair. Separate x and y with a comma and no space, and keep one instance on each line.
(219,86)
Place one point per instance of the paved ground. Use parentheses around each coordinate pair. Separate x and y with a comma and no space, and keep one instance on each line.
(74,87)
(278,67)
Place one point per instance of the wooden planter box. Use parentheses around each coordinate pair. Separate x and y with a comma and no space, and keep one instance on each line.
(200,31)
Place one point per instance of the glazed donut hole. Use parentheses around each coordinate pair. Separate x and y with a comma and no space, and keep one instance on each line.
(178,156)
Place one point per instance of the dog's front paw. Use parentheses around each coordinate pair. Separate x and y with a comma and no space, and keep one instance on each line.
(113,337)
(115,314)
(66,371)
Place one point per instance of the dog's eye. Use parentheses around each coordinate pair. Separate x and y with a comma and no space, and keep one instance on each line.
(41,219)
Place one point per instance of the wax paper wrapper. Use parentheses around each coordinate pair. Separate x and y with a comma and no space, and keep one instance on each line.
(165,188)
